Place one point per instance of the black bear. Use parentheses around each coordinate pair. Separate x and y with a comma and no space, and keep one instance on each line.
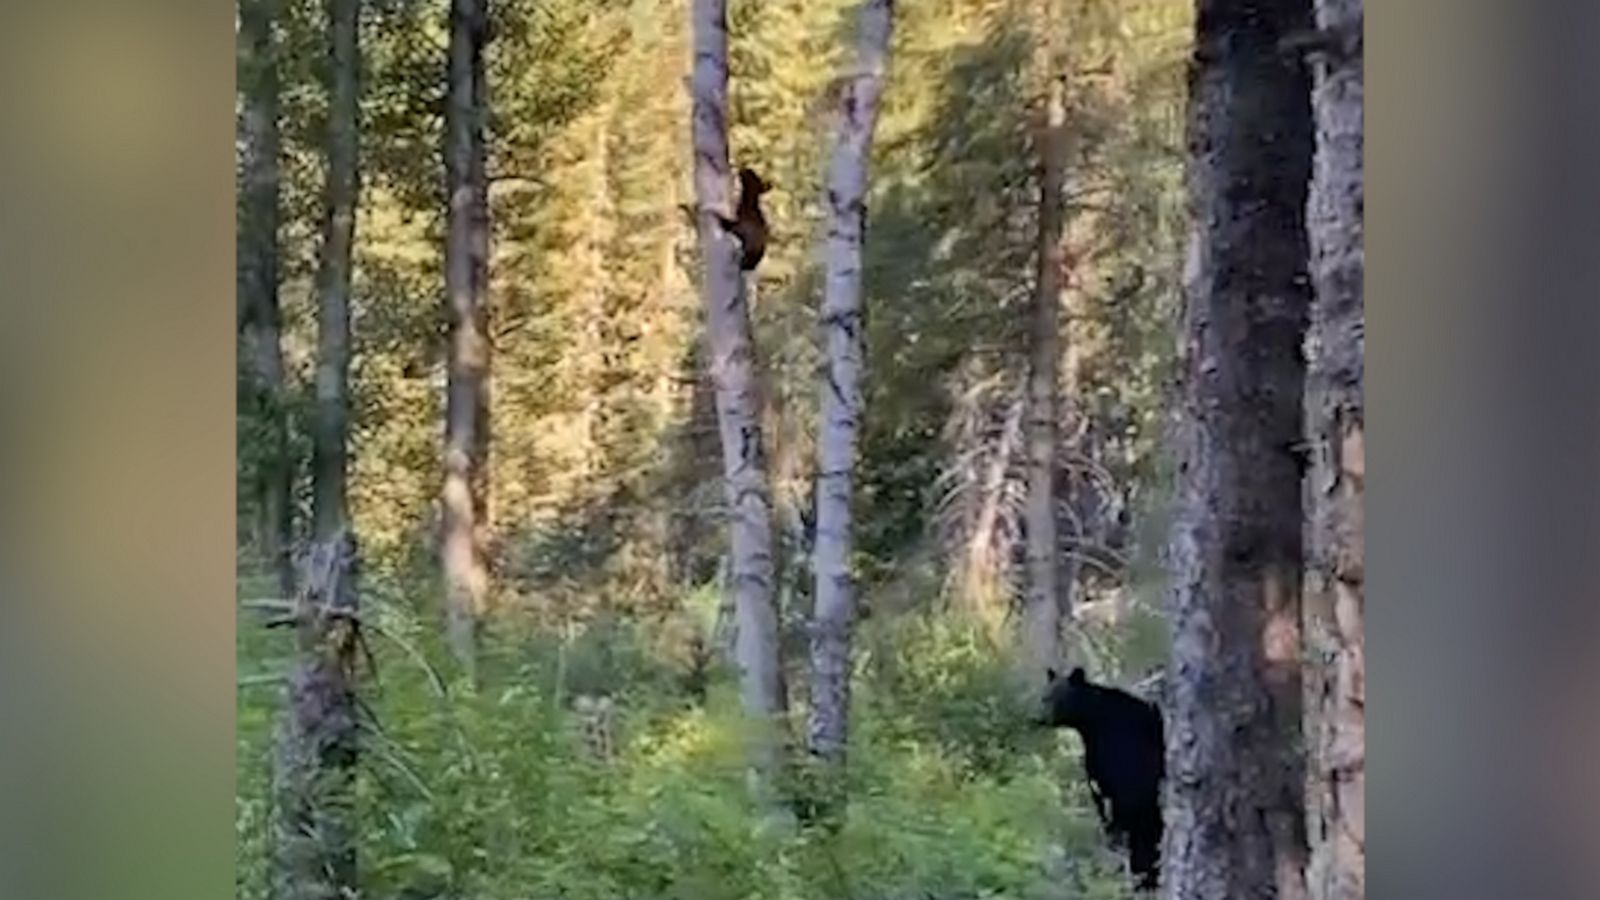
(749,224)
(1124,760)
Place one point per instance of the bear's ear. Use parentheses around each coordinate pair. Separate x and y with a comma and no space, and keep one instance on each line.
(1077,677)
(1049,674)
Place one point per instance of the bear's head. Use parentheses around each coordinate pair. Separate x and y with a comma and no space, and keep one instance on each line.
(1067,701)
(752,185)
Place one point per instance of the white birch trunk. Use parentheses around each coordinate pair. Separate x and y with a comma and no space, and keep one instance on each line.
(841,410)
(738,403)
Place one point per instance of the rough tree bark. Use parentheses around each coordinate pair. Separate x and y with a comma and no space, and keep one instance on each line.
(314,855)
(259,317)
(316,747)
(314,841)
(1234,805)
(738,402)
(857,94)
(463,501)
(1042,607)
(330,451)
(1335,596)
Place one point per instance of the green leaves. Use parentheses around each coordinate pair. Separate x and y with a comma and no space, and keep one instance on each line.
(948,799)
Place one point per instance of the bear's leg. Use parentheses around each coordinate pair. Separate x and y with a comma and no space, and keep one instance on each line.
(1144,848)
(1144,863)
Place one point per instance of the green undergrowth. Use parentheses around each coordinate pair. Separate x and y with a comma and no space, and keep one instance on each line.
(501,793)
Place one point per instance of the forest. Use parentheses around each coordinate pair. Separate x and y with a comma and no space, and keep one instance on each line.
(682,444)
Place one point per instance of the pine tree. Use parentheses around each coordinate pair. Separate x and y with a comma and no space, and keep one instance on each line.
(466,432)
(1234,812)
(314,844)
(331,436)
(260,316)
(1042,605)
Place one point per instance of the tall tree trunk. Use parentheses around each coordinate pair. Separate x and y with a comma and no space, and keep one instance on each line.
(314,841)
(1042,610)
(316,746)
(466,438)
(1335,595)
(260,321)
(330,450)
(750,582)
(482,489)
(1234,810)
(857,94)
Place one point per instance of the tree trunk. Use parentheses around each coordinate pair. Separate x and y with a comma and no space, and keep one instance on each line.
(840,401)
(1335,596)
(313,834)
(466,439)
(750,581)
(330,451)
(1042,610)
(1234,805)
(984,562)
(259,318)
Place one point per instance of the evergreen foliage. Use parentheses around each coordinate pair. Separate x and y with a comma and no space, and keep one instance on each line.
(605,500)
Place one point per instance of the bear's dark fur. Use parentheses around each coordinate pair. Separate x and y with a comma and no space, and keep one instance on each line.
(749,224)
(1124,759)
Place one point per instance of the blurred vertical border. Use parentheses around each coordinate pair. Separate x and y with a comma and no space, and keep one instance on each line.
(116,437)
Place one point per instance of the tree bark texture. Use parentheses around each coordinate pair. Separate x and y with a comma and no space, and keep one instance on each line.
(840,403)
(1234,804)
(313,836)
(1042,606)
(749,499)
(1335,414)
(463,501)
(259,315)
(330,436)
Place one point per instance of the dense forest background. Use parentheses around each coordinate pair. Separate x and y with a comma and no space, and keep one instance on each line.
(596,751)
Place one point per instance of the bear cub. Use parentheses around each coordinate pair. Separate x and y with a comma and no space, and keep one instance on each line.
(749,224)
